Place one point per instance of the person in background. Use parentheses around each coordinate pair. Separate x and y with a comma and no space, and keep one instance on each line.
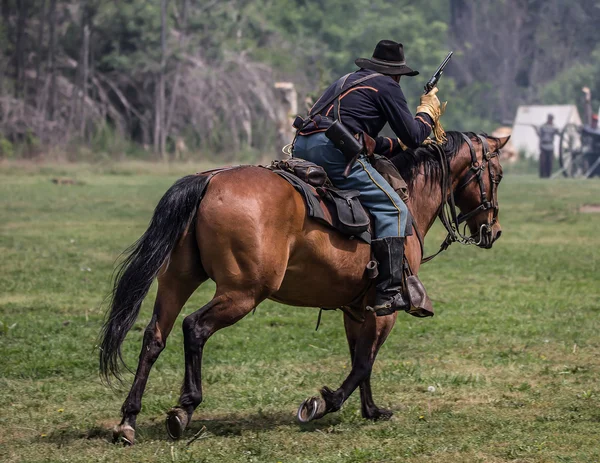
(594,125)
(546,133)
(590,141)
(590,135)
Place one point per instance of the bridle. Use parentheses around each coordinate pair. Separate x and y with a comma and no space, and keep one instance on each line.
(447,210)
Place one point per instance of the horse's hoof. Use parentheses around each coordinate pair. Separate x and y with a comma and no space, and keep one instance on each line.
(378,414)
(124,434)
(176,423)
(311,409)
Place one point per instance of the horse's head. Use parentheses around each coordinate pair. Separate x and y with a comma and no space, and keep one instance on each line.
(476,187)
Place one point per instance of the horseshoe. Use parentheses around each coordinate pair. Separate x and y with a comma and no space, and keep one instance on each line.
(311,405)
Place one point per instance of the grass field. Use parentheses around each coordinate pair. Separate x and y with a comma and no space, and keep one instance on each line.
(513,351)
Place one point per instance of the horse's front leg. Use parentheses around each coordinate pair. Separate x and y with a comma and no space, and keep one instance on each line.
(368,407)
(371,335)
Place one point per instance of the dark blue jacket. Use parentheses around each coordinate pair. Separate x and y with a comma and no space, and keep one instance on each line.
(368,106)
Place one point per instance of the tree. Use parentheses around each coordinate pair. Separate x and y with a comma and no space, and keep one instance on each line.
(155,73)
(22,6)
(52,60)
(159,115)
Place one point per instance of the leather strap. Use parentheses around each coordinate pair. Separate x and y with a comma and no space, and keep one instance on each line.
(339,89)
(447,211)
(336,103)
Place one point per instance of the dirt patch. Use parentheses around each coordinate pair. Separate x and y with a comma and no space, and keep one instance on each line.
(590,209)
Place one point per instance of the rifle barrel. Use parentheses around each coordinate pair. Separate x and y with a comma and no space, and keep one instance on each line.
(445,62)
(438,73)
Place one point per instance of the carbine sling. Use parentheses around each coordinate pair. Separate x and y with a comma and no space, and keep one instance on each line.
(300,124)
(339,89)
(339,134)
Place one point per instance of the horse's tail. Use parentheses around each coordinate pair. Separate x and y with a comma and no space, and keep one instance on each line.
(173,214)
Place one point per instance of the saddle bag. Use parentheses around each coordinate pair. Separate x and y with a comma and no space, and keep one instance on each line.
(306,171)
(351,216)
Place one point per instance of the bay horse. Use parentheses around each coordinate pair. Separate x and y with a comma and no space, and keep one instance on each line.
(250,234)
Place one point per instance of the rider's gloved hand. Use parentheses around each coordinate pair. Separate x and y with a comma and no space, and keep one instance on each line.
(430,104)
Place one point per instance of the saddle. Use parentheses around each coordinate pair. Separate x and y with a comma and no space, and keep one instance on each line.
(339,209)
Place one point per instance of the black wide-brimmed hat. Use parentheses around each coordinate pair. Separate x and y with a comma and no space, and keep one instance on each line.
(388,58)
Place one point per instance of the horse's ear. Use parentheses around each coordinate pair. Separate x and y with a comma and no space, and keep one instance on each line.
(501,142)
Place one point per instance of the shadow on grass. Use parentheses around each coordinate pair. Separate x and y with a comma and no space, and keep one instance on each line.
(235,425)
(231,425)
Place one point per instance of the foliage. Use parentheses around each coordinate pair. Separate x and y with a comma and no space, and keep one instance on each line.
(6,148)
(512,354)
(512,49)
(326,37)
(107,65)
(568,84)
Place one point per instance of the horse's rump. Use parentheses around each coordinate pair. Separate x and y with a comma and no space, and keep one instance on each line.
(253,222)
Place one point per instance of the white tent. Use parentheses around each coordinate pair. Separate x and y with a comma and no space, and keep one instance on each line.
(524,137)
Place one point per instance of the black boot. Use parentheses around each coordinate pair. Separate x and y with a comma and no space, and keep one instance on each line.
(389,252)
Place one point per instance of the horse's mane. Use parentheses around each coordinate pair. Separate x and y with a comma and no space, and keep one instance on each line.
(426,158)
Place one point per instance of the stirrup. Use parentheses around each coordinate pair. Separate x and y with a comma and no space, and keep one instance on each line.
(389,308)
(420,304)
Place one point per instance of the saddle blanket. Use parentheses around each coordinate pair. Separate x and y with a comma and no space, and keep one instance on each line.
(339,209)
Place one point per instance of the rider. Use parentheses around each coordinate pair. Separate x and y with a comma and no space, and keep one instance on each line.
(367,107)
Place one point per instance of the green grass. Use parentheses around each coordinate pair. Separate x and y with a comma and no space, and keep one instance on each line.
(513,350)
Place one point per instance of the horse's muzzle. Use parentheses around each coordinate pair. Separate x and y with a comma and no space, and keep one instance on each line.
(487,236)
(486,241)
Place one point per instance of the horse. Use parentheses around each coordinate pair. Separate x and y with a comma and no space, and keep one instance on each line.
(249,232)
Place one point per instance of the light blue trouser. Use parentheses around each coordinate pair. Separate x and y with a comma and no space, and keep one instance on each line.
(388,210)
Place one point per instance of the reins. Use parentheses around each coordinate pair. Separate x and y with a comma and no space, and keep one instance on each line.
(447,210)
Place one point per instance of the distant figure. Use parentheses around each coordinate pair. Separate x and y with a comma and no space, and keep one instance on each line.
(546,132)
(590,140)
(590,136)
(594,124)
(592,131)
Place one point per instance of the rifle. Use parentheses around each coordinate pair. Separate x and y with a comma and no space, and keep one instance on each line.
(438,73)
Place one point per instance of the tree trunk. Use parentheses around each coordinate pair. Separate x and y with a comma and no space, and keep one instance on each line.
(157,114)
(458,9)
(5,11)
(162,136)
(79,92)
(175,87)
(38,52)
(20,48)
(52,61)
(84,77)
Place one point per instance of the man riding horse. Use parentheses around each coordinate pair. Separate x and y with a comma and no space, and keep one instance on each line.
(247,229)
(364,102)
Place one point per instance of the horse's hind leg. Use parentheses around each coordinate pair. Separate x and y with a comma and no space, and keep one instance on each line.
(369,410)
(175,285)
(226,308)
